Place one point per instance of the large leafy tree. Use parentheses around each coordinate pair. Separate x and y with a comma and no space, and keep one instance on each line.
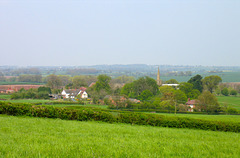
(171,81)
(144,83)
(45,89)
(208,102)
(188,89)
(128,90)
(211,82)
(54,82)
(197,82)
(145,95)
(166,89)
(180,97)
(135,88)
(103,83)
(79,81)
(225,91)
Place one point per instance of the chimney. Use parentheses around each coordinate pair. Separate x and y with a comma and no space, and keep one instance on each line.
(188,99)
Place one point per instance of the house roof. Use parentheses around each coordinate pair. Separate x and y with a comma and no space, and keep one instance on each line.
(114,97)
(191,102)
(75,91)
(93,83)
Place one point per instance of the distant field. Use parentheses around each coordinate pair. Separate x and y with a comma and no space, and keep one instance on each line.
(226,76)
(20,83)
(74,106)
(46,101)
(225,118)
(39,137)
(229,100)
(5,96)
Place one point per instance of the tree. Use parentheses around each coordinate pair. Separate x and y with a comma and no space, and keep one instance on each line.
(186,87)
(193,94)
(134,89)
(123,79)
(166,89)
(103,83)
(180,96)
(225,91)
(233,92)
(45,89)
(144,83)
(171,81)
(79,81)
(197,82)
(127,89)
(54,82)
(65,79)
(208,102)
(145,95)
(211,82)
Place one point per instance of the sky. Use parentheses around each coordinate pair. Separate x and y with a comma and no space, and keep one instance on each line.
(93,32)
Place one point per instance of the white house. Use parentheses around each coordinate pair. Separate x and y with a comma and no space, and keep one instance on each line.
(72,93)
(172,85)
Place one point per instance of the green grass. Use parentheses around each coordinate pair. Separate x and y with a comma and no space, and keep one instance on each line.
(20,83)
(39,137)
(75,106)
(29,101)
(5,96)
(225,118)
(230,101)
(226,76)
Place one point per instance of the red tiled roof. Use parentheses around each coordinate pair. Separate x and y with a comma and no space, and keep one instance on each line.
(191,102)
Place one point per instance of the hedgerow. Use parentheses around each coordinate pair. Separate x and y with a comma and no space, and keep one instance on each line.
(95,114)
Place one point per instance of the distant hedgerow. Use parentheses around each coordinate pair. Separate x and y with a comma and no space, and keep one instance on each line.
(95,114)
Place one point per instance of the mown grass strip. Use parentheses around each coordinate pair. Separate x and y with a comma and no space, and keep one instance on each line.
(42,137)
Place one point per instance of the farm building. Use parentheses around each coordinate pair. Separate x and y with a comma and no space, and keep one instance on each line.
(72,93)
(191,104)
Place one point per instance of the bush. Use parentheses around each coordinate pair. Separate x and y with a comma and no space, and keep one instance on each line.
(225,91)
(86,114)
(233,92)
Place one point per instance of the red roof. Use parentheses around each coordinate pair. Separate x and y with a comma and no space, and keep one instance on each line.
(191,102)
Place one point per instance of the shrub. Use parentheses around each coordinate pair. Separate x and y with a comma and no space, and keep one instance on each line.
(88,114)
(225,91)
(233,92)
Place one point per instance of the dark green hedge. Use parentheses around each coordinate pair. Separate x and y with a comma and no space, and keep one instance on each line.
(95,114)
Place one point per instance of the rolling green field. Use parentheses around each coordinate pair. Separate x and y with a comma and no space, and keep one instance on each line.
(230,101)
(19,83)
(39,137)
(225,118)
(226,76)
(5,96)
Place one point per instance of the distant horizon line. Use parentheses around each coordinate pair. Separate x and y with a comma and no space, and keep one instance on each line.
(116,65)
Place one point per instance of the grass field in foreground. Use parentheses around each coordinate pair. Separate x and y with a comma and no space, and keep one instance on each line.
(39,137)
(230,101)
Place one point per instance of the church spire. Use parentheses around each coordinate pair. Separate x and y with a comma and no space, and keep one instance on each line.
(159,82)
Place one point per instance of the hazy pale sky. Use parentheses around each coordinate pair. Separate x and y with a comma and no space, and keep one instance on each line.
(88,32)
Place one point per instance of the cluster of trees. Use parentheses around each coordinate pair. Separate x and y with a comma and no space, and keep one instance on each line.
(40,93)
(143,88)
(169,98)
(59,81)
(226,90)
